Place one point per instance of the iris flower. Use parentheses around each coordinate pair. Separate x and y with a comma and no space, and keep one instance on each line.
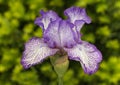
(62,36)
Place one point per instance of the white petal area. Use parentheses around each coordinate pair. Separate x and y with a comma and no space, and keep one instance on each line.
(35,52)
(87,54)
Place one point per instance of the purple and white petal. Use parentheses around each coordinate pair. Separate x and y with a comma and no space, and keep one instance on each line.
(77,13)
(35,52)
(78,17)
(59,34)
(77,35)
(46,18)
(51,35)
(87,54)
(76,30)
(66,34)
(79,24)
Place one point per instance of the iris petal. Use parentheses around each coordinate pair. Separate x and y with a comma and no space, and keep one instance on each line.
(35,52)
(76,13)
(45,19)
(51,35)
(66,34)
(87,54)
(78,17)
(60,34)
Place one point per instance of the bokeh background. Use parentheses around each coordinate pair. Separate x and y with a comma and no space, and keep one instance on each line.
(17,26)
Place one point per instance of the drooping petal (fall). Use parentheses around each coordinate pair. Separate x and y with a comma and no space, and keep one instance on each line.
(35,52)
(87,54)
(45,18)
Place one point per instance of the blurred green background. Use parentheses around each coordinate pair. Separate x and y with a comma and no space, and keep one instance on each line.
(17,26)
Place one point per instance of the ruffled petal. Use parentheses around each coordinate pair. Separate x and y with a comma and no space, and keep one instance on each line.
(60,34)
(76,13)
(46,18)
(51,35)
(35,52)
(87,54)
(79,25)
(78,17)
(66,34)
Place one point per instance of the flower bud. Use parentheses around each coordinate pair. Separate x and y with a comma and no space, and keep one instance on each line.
(60,64)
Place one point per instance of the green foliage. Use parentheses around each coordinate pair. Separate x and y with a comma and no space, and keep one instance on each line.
(17,26)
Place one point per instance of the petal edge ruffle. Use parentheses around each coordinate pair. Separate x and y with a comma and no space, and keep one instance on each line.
(45,18)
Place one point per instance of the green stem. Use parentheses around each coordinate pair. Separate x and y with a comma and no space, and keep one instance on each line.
(60,64)
(60,81)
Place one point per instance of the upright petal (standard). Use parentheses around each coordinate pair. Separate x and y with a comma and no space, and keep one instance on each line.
(60,34)
(78,17)
(51,35)
(45,18)
(66,34)
(77,13)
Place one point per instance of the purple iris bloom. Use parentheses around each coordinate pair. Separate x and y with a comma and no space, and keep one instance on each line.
(62,36)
